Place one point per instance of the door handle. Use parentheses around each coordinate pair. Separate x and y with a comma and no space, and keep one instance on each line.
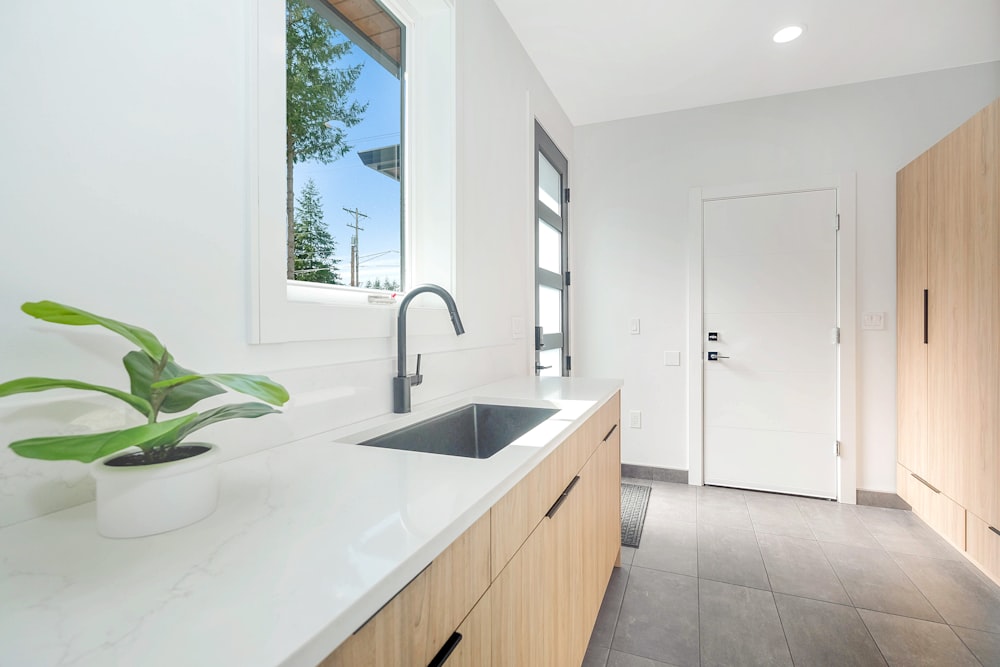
(715,356)
(539,367)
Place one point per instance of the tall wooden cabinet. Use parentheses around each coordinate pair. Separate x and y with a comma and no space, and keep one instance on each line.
(948,305)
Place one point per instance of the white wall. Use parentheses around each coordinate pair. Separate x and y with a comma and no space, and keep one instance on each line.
(123,190)
(630,223)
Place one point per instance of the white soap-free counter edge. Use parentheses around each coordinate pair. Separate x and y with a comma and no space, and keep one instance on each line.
(310,539)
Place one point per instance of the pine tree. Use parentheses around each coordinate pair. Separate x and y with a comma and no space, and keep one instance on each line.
(316,97)
(314,245)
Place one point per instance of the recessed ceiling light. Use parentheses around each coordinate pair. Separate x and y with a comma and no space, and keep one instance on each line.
(788,33)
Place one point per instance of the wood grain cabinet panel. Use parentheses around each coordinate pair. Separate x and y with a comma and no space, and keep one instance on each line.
(939,511)
(476,645)
(984,546)
(911,285)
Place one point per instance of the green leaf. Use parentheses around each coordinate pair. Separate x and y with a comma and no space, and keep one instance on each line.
(140,371)
(32,384)
(90,447)
(257,386)
(239,411)
(58,313)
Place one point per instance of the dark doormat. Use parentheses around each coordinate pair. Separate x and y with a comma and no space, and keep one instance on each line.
(635,498)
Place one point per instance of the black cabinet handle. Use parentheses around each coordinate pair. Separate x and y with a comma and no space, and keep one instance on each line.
(925,482)
(995,530)
(445,651)
(558,503)
(925,317)
(609,433)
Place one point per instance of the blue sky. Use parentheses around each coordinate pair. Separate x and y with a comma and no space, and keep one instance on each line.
(347,183)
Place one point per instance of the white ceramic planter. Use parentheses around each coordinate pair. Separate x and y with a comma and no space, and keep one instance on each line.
(133,501)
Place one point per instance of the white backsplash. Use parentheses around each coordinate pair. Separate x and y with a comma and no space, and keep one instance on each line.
(322,398)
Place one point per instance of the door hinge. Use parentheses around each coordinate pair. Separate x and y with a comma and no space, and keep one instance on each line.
(836,448)
(837,223)
(566,195)
(569,363)
(835,336)
(567,279)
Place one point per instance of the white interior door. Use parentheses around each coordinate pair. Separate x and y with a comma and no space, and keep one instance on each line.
(770,377)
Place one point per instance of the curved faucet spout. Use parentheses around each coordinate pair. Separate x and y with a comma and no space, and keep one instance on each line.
(402,382)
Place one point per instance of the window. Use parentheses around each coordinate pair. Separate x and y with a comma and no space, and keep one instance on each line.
(344,113)
(551,265)
(286,310)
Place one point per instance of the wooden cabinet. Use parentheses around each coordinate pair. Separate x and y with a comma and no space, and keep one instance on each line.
(948,335)
(524,584)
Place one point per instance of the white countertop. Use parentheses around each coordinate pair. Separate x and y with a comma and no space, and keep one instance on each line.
(310,539)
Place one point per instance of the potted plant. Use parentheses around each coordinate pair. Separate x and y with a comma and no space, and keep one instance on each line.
(149,478)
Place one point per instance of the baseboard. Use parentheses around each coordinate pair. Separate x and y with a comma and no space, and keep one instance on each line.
(882,499)
(655,474)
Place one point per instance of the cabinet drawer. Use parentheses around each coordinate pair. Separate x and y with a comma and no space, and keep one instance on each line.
(516,514)
(984,546)
(938,510)
(412,627)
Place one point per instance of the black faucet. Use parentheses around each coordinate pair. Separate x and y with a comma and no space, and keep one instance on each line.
(402,382)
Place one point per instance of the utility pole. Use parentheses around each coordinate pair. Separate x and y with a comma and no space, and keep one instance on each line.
(354,243)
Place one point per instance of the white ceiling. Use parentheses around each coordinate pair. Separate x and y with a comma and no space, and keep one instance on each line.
(607,59)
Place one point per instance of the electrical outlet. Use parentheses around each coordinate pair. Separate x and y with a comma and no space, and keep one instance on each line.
(635,418)
(671,358)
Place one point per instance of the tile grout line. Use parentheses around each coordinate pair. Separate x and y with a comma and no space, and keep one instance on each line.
(770,586)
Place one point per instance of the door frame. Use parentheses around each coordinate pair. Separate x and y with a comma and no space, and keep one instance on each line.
(544,145)
(845,185)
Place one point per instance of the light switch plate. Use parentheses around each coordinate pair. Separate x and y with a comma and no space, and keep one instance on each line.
(635,418)
(633,326)
(672,358)
(873,321)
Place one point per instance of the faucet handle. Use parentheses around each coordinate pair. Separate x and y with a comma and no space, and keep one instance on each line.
(416,378)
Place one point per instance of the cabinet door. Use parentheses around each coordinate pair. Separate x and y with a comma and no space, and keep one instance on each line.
(911,284)
(963,364)
(476,645)
(523,603)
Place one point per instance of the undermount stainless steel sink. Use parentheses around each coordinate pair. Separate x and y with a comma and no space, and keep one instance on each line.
(478,430)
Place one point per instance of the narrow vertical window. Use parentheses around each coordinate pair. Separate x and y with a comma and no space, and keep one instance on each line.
(344,144)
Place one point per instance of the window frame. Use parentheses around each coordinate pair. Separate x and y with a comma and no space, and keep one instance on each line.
(284,311)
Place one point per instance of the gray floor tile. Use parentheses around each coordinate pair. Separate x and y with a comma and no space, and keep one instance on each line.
(627,554)
(903,532)
(958,594)
(607,617)
(874,581)
(778,515)
(799,567)
(671,546)
(673,502)
(659,617)
(618,659)
(910,642)
(835,522)
(723,507)
(739,626)
(595,657)
(984,645)
(822,634)
(730,555)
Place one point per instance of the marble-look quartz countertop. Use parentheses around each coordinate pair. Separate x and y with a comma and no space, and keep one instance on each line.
(309,540)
